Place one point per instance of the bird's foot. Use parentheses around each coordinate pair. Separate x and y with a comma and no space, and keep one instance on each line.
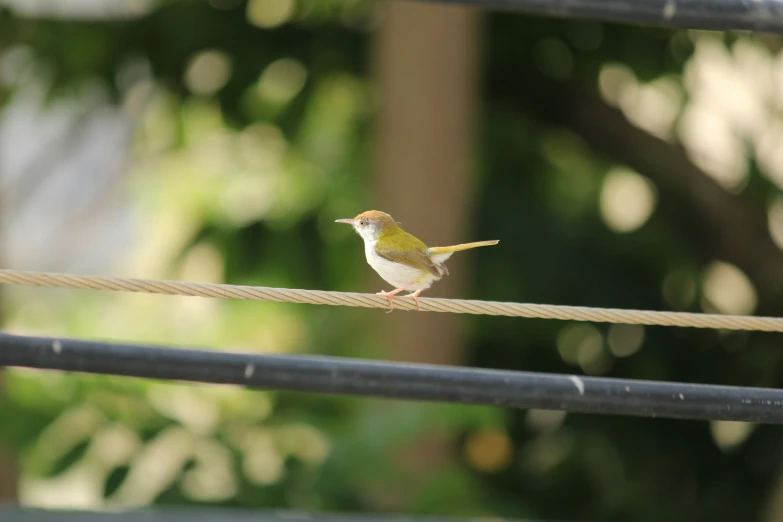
(415,296)
(389,297)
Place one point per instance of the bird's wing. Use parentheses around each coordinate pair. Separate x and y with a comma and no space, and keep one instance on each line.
(408,252)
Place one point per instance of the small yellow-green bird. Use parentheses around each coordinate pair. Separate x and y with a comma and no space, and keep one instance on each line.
(401,259)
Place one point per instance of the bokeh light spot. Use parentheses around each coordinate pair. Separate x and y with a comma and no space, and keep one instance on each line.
(267,14)
(679,289)
(627,200)
(207,72)
(728,289)
(576,339)
(282,80)
(489,450)
(616,82)
(775,221)
(625,339)
(213,478)
(730,434)
(304,442)
(713,145)
(544,420)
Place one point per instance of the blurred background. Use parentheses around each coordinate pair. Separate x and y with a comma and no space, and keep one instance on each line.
(217,141)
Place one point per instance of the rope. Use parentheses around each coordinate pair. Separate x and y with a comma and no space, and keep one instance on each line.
(428,304)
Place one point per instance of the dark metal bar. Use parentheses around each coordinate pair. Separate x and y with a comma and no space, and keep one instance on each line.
(750,15)
(400,381)
(205,514)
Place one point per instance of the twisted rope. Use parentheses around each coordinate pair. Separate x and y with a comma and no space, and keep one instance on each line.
(428,304)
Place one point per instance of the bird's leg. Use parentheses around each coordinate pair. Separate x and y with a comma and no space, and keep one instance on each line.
(415,296)
(390,296)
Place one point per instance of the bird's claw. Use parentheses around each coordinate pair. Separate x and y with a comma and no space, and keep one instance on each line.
(415,296)
(389,297)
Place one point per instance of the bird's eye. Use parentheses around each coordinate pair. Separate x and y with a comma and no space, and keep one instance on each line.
(362,222)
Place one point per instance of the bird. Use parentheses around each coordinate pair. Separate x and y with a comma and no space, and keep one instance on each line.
(401,259)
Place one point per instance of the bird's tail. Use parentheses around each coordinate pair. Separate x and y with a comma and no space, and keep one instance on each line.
(440,254)
(434,251)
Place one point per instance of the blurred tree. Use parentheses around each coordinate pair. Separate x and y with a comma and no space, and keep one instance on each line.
(426,61)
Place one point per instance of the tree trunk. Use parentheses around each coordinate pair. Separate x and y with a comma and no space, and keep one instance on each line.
(426,59)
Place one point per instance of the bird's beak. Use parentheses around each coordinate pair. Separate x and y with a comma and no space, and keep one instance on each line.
(349,221)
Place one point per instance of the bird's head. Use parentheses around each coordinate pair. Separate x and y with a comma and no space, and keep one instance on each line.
(370,224)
